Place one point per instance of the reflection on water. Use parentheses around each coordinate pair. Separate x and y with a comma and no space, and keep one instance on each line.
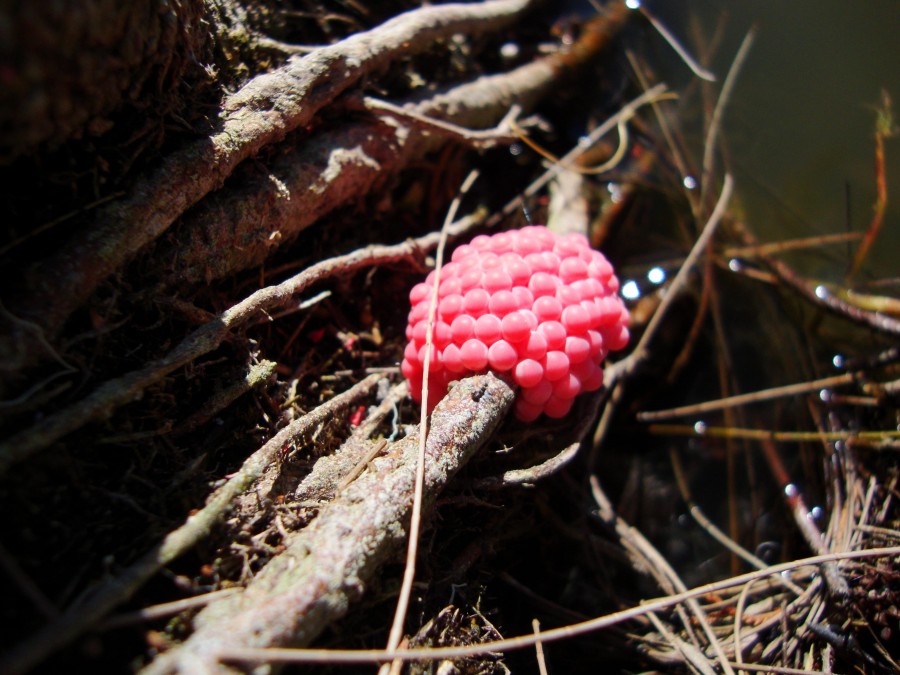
(799,129)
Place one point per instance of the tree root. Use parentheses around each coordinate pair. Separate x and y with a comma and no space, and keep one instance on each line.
(82,616)
(327,565)
(260,114)
(237,229)
(122,390)
(224,234)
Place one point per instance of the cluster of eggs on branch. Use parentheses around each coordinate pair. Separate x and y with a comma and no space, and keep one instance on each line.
(542,307)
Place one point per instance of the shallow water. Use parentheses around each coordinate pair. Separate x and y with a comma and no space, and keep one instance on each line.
(799,128)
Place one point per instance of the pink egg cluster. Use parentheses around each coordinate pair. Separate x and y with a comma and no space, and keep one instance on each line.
(528,302)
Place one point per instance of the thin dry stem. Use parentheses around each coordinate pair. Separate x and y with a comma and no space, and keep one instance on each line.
(751,397)
(409,571)
(335,656)
(712,132)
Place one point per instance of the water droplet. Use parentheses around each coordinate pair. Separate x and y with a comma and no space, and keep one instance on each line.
(838,361)
(816,512)
(657,275)
(630,290)
(509,50)
(840,446)
(690,182)
(515,149)
(615,192)
(791,490)
(633,4)
(735,265)
(821,292)
(700,427)
(825,395)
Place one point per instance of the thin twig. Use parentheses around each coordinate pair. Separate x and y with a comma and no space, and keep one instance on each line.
(532,474)
(884,128)
(680,280)
(165,609)
(683,53)
(539,647)
(700,430)
(479,138)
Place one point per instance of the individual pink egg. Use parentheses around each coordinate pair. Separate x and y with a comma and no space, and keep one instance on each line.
(515,327)
(539,393)
(554,333)
(474,354)
(541,284)
(450,307)
(488,328)
(502,356)
(453,359)
(527,412)
(568,386)
(536,347)
(577,349)
(558,407)
(547,308)
(462,328)
(528,373)
(576,319)
(496,280)
(556,365)
(502,303)
(475,301)
(418,293)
